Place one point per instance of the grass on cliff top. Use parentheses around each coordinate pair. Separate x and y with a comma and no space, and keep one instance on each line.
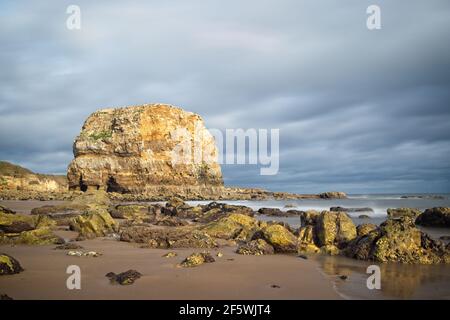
(13,170)
(9,169)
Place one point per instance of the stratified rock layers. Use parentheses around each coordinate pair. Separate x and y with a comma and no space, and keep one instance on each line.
(144,148)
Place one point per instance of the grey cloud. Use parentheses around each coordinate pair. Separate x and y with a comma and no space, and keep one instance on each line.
(358,111)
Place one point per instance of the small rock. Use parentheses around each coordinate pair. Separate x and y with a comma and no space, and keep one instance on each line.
(197,259)
(303,256)
(275,286)
(363,216)
(84,254)
(170,255)
(124,278)
(68,246)
(219,254)
(343,277)
(9,265)
(5,297)
(445,238)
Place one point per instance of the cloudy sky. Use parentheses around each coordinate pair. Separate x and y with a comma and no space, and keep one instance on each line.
(358,110)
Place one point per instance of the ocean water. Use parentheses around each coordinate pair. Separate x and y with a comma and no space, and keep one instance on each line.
(379,203)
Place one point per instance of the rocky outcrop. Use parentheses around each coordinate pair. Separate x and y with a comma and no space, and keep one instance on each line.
(256,247)
(142,149)
(9,265)
(435,217)
(398,240)
(365,228)
(333,195)
(342,209)
(334,228)
(26,229)
(94,223)
(233,226)
(400,212)
(16,178)
(280,238)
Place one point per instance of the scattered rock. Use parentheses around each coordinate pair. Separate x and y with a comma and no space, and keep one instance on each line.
(124,278)
(170,254)
(255,247)
(400,212)
(275,286)
(271,212)
(435,217)
(363,216)
(177,237)
(290,205)
(445,238)
(197,259)
(343,277)
(9,265)
(302,256)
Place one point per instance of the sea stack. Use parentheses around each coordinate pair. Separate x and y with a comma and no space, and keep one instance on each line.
(145,149)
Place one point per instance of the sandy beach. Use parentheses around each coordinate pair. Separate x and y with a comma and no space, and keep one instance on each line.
(232,276)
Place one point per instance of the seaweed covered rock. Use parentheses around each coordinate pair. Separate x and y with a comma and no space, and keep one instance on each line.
(134,212)
(94,223)
(40,236)
(365,228)
(307,240)
(197,259)
(279,237)
(334,228)
(400,241)
(435,217)
(124,278)
(400,212)
(177,237)
(333,195)
(256,247)
(234,226)
(309,217)
(6,210)
(9,265)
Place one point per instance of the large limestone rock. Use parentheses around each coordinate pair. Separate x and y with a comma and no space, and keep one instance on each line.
(142,149)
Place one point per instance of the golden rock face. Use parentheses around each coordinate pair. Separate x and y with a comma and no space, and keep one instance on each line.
(135,149)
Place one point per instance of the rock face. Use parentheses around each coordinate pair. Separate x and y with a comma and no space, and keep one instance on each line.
(144,148)
(435,217)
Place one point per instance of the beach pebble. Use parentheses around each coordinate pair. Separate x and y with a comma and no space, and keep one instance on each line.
(83,254)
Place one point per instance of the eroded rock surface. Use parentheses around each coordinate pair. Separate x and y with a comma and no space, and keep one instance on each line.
(131,150)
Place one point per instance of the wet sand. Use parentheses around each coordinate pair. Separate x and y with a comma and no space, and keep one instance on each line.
(246,277)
